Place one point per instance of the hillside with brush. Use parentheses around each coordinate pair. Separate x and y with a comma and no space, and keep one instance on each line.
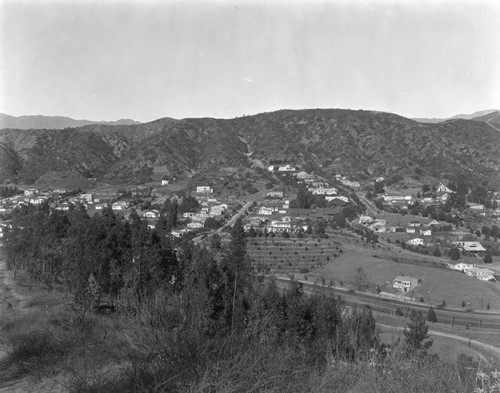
(361,144)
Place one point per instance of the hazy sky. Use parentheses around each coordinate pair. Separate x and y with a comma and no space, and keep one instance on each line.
(105,60)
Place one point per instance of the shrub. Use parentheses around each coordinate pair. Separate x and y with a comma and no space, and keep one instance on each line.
(431,315)
(463,303)
(398,312)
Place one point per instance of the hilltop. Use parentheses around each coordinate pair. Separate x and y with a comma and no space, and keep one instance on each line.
(361,144)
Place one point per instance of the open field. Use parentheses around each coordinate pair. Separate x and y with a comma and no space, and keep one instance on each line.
(437,284)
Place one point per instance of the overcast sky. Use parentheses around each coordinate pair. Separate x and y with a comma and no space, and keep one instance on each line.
(105,60)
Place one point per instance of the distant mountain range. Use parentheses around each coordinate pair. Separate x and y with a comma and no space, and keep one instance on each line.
(461,116)
(52,122)
(360,144)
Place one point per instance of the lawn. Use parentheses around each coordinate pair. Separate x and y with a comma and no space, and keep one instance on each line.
(437,284)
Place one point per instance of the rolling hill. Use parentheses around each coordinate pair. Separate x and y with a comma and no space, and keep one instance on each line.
(361,144)
(471,116)
(52,122)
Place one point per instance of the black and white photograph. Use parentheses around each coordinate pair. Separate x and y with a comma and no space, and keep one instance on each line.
(234,196)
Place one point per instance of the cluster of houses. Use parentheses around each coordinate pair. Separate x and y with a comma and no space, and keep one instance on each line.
(412,227)
(283,224)
(210,208)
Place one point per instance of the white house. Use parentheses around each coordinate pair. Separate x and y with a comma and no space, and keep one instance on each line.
(461,266)
(442,188)
(30,192)
(151,214)
(274,194)
(404,283)
(416,242)
(204,190)
(324,191)
(349,183)
(339,197)
(195,225)
(188,215)
(426,232)
(286,168)
(87,197)
(120,205)
(480,274)
(363,220)
(164,182)
(265,211)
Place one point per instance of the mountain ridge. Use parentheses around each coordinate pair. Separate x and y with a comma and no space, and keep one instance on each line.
(361,144)
(471,116)
(52,122)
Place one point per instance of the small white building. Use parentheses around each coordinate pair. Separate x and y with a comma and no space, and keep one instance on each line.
(265,211)
(151,214)
(442,188)
(461,267)
(404,283)
(195,225)
(30,192)
(120,205)
(480,274)
(338,197)
(416,242)
(204,190)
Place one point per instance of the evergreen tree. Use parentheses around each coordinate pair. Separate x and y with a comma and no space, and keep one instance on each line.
(416,334)
(431,315)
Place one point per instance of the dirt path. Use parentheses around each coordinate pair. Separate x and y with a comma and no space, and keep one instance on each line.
(13,303)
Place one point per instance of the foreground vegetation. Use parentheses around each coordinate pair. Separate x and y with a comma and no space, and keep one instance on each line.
(194,319)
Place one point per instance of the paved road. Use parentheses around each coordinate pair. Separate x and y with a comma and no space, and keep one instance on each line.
(229,223)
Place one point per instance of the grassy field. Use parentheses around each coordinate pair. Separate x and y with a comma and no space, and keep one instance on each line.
(437,284)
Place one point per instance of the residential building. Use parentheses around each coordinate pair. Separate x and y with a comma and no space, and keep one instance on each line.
(471,246)
(151,214)
(204,190)
(416,242)
(120,205)
(480,274)
(461,266)
(404,283)
(195,225)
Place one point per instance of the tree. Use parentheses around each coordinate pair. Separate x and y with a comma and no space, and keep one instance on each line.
(454,254)
(431,315)
(416,334)
(487,258)
(436,252)
(361,280)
